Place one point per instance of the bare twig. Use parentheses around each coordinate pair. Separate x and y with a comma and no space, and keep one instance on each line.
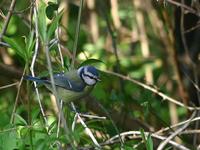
(115,50)
(54,91)
(133,134)
(12,6)
(74,121)
(59,46)
(87,130)
(17,98)
(164,143)
(192,28)
(9,85)
(154,90)
(92,116)
(178,124)
(191,10)
(34,60)
(196,131)
(62,64)
(59,119)
(77,34)
(112,33)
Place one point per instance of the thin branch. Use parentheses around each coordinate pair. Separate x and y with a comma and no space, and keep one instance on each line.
(133,134)
(59,45)
(59,119)
(77,34)
(91,116)
(9,85)
(194,83)
(192,28)
(113,36)
(191,10)
(33,63)
(178,124)
(115,50)
(62,64)
(74,121)
(17,98)
(196,131)
(54,91)
(12,6)
(87,130)
(166,141)
(154,90)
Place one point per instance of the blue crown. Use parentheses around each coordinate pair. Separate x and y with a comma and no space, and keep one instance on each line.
(93,70)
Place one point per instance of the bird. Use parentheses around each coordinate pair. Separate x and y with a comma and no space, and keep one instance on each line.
(71,85)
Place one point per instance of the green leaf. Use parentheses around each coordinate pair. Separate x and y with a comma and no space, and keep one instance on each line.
(53,26)
(20,120)
(147,140)
(51,8)
(15,45)
(8,140)
(42,22)
(30,43)
(90,61)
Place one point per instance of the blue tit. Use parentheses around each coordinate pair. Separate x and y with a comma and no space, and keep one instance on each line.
(71,85)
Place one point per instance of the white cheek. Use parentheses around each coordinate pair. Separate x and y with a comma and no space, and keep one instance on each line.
(89,81)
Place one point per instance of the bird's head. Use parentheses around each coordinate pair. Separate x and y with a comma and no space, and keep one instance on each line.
(89,75)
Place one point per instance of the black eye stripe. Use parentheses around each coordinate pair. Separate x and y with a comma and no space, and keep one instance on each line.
(89,76)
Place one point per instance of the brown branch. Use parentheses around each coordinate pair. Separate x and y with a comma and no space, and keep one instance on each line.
(191,10)
(9,85)
(12,119)
(154,90)
(12,5)
(192,28)
(178,131)
(124,121)
(133,134)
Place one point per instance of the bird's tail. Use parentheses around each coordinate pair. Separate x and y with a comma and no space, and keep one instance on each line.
(36,79)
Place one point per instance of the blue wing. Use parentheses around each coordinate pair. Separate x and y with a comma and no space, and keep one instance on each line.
(73,84)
